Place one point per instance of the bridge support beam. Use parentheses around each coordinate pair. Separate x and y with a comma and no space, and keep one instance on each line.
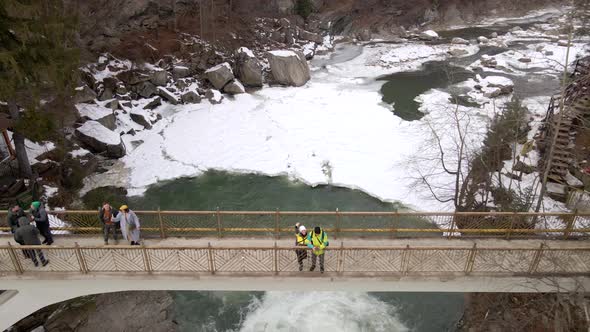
(29,294)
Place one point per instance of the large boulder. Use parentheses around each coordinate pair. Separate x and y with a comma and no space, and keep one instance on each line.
(191,97)
(145,89)
(102,115)
(459,41)
(84,94)
(248,68)
(428,35)
(310,36)
(234,87)
(214,96)
(153,104)
(169,96)
(180,72)
(159,78)
(288,67)
(100,139)
(220,75)
(132,77)
(140,118)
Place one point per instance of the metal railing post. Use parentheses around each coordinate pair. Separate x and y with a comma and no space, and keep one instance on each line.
(210,256)
(81,261)
(569,228)
(218,223)
(394,218)
(162,230)
(276,259)
(536,259)
(471,259)
(512,219)
(146,259)
(277,224)
(338,225)
(341,259)
(452,227)
(15,261)
(405,260)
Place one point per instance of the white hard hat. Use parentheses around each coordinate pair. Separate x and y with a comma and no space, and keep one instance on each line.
(302,228)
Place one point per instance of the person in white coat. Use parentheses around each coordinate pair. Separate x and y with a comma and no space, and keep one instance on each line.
(129,225)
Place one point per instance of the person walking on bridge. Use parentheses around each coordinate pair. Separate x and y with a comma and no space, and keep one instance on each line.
(301,241)
(28,235)
(107,217)
(129,225)
(318,241)
(14,213)
(39,216)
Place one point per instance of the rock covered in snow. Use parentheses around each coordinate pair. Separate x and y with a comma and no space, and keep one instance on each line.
(459,41)
(495,86)
(525,60)
(214,96)
(494,35)
(159,77)
(483,40)
(191,97)
(140,118)
(457,52)
(84,94)
(180,72)
(428,35)
(248,68)
(102,115)
(313,37)
(234,87)
(288,67)
(100,139)
(169,96)
(145,89)
(489,61)
(133,77)
(153,104)
(220,75)
(573,181)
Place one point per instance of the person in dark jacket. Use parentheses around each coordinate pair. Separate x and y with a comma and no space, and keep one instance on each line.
(39,215)
(29,235)
(14,213)
(107,216)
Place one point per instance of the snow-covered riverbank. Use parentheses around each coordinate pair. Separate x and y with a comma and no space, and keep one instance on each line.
(335,129)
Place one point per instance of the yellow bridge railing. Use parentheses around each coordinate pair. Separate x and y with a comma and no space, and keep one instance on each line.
(338,223)
(276,260)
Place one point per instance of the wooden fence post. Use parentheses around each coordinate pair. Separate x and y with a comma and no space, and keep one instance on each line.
(218,223)
(394,222)
(162,230)
(211,262)
(81,261)
(15,261)
(405,260)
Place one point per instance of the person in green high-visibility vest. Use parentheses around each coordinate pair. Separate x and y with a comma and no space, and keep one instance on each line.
(318,241)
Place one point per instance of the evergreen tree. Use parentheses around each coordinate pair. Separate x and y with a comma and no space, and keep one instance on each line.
(304,8)
(38,62)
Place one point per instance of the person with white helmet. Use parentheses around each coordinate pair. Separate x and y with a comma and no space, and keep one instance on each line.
(301,241)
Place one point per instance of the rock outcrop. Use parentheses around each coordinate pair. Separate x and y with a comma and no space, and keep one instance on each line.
(191,97)
(288,67)
(84,94)
(248,68)
(100,139)
(220,75)
(102,115)
(234,87)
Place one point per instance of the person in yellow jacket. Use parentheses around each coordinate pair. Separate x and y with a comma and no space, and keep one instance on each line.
(301,241)
(318,241)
